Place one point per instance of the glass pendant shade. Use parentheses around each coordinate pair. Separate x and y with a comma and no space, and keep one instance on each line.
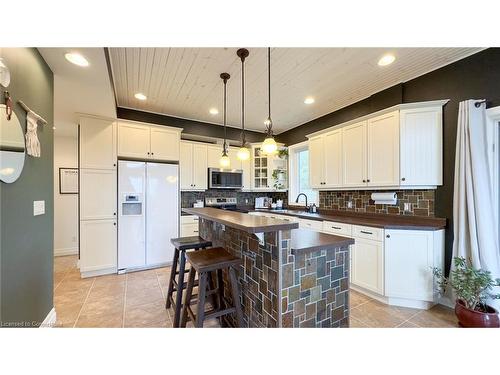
(243,153)
(269,145)
(224,161)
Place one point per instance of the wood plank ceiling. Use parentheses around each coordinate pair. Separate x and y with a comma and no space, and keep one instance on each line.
(184,82)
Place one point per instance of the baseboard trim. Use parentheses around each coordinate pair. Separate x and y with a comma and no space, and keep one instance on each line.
(97,272)
(65,251)
(50,320)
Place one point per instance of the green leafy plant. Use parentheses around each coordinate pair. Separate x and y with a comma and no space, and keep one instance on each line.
(472,286)
(283,153)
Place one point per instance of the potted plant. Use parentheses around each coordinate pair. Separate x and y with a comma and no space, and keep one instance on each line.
(472,287)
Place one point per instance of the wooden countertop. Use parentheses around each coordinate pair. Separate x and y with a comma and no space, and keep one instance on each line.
(242,221)
(371,220)
(310,240)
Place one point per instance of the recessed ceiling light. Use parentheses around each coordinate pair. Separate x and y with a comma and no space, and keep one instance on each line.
(77,59)
(214,111)
(386,60)
(140,96)
(309,100)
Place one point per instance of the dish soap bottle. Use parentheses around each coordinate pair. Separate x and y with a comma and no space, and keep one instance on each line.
(313,208)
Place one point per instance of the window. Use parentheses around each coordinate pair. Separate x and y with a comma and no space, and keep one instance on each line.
(299,175)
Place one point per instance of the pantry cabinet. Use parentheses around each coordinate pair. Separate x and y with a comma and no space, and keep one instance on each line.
(141,141)
(98,247)
(400,147)
(97,194)
(193,166)
(97,143)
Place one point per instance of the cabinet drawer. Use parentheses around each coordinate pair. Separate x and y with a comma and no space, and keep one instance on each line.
(311,224)
(189,230)
(283,217)
(189,219)
(337,228)
(370,233)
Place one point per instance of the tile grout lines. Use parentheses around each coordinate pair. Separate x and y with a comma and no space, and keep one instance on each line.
(407,320)
(63,278)
(163,294)
(83,304)
(124,300)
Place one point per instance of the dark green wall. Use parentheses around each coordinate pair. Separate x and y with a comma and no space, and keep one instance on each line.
(26,269)
(475,77)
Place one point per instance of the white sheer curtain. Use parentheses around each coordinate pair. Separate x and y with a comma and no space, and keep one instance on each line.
(473,203)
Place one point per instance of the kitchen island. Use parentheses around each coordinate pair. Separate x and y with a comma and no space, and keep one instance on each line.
(290,277)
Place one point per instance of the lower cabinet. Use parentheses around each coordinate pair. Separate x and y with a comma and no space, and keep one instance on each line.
(410,256)
(189,226)
(368,264)
(98,246)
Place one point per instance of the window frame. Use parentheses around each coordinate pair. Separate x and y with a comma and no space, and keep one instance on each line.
(293,176)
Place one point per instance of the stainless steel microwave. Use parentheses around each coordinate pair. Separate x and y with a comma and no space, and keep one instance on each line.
(225,178)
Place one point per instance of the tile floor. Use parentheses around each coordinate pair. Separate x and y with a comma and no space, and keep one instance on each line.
(138,300)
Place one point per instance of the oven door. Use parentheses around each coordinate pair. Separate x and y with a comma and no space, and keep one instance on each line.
(225,178)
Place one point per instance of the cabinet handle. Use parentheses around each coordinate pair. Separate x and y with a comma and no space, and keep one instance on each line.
(152,153)
(114,213)
(364,180)
(337,228)
(148,153)
(388,235)
(114,223)
(114,165)
(195,231)
(365,232)
(367,180)
(403,179)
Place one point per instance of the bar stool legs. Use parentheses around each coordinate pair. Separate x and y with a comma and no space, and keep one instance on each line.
(173,271)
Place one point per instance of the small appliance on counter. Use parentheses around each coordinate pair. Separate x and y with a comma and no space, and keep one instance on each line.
(198,204)
(263,202)
(279,204)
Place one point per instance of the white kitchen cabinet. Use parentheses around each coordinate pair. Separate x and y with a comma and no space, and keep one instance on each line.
(214,153)
(246,167)
(97,143)
(410,256)
(311,224)
(383,150)
(421,155)
(354,155)
(193,166)
(189,225)
(316,162)
(164,144)
(325,160)
(97,194)
(368,265)
(98,247)
(142,141)
(133,140)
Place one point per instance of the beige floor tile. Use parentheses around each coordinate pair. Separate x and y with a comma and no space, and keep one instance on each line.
(146,315)
(141,297)
(355,323)
(67,314)
(437,317)
(111,305)
(100,320)
(141,284)
(357,298)
(69,297)
(407,324)
(378,315)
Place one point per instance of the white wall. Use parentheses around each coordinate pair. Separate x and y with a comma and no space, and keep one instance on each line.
(65,205)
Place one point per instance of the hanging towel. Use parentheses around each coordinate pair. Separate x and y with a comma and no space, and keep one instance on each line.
(32,142)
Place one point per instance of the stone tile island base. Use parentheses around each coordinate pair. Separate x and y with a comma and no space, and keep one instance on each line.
(283,287)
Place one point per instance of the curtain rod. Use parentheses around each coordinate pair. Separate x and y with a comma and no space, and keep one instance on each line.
(27,109)
(479,102)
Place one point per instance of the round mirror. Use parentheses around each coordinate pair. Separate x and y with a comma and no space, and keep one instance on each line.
(12,147)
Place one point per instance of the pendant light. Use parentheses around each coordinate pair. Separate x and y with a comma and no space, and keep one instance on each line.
(269,145)
(224,161)
(243,152)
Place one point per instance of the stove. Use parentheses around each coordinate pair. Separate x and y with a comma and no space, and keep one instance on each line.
(223,203)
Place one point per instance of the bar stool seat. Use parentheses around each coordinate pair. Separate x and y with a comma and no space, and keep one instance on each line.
(204,262)
(181,244)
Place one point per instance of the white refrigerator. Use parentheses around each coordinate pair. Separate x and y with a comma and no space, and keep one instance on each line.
(148,213)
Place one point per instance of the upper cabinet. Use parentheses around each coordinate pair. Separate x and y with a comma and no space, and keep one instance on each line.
(398,148)
(383,150)
(421,156)
(140,141)
(193,166)
(97,143)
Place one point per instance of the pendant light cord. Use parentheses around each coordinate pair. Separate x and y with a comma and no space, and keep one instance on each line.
(225,77)
(243,141)
(269,82)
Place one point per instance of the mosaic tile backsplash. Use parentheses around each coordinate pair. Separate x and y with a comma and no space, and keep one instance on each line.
(243,198)
(422,202)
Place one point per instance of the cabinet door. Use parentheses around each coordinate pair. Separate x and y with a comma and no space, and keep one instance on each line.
(354,155)
(214,154)
(133,140)
(383,150)
(186,165)
(408,264)
(233,157)
(164,144)
(421,147)
(199,167)
(316,162)
(97,143)
(98,249)
(97,194)
(188,230)
(246,166)
(333,159)
(368,265)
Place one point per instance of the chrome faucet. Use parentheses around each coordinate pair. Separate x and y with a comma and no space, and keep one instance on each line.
(305,196)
